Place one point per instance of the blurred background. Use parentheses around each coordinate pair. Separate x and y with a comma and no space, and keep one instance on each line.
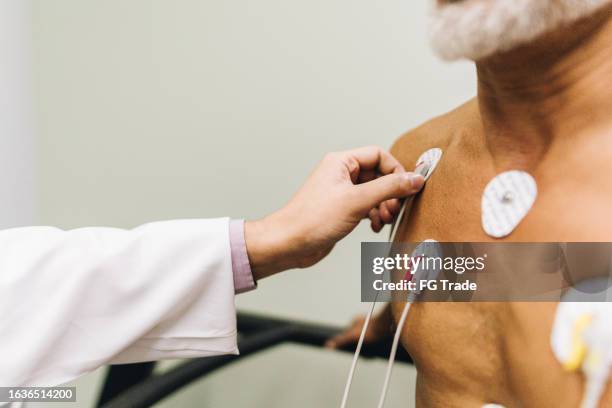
(120,112)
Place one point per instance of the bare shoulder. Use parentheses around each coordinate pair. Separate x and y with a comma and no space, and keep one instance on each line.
(437,132)
(574,195)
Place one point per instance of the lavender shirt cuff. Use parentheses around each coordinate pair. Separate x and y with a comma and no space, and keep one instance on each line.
(241,267)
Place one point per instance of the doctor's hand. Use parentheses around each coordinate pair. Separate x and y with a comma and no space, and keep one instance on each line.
(345,188)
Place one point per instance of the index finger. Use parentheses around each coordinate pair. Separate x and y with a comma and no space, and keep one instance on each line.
(375,158)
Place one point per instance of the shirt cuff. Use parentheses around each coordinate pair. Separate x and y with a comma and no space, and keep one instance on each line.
(241,267)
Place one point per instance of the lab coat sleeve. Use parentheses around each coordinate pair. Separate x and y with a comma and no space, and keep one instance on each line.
(72,301)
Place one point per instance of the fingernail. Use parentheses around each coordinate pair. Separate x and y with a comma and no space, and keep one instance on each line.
(416,181)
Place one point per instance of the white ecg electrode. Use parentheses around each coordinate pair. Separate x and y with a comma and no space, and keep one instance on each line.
(506,201)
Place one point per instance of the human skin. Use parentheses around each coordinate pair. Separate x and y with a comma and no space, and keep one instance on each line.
(343,189)
(544,108)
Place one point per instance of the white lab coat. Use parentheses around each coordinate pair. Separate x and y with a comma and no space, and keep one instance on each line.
(72,301)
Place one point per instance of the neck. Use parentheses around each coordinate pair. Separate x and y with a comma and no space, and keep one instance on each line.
(557,88)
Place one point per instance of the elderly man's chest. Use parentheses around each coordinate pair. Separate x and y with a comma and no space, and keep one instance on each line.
(464,345)
(446,339)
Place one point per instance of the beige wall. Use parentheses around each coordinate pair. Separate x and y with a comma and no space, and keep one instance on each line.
(153,109)
(17,160)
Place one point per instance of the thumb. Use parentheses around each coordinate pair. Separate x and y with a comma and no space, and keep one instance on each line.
(395,185)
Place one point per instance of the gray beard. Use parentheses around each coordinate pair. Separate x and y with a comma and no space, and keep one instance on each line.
(475,29)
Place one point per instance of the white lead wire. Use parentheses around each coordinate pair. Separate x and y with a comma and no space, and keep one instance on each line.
(424,171)
(396,338)
(349,380)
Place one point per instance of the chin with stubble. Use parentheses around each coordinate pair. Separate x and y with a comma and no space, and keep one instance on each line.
(476,29)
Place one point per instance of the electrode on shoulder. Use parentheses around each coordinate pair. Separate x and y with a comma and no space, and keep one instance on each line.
(425,166)
(427,162)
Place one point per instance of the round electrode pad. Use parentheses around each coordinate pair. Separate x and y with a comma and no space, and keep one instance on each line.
(425,166)
(428,162)
(506,201)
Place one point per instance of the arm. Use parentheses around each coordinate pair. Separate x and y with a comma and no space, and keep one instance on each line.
(72,301)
